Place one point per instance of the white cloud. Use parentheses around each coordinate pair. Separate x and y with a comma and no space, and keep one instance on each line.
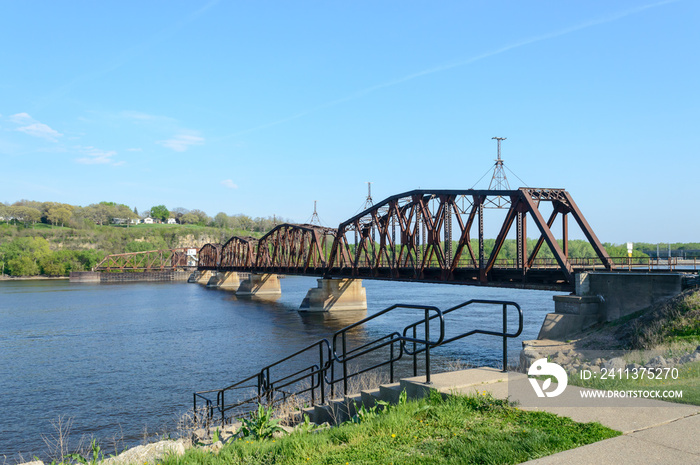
(40,130)
(21,118)
(95,156)
(182,141)
(34,128)
(228,183)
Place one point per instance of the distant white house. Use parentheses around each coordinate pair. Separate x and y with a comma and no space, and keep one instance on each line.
(148,220)
(124,221)
(172,221)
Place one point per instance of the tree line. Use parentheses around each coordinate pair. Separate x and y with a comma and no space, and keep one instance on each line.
(105,213)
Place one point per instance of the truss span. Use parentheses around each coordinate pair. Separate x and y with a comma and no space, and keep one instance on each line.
(428,236)
(150,260)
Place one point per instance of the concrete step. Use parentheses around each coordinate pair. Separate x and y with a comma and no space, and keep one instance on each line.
(453,381)
(339,410)
(370,397)
(390,392)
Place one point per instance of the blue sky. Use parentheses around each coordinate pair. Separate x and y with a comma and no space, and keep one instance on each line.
(263,107)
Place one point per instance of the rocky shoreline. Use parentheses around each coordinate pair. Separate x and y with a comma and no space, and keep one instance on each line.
(575,360)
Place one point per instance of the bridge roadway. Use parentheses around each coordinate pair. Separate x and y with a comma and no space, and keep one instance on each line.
(425,236)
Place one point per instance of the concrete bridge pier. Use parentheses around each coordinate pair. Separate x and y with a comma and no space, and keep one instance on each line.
(229,281)
(335,294)
(260,285)
(215,279)
(204,277)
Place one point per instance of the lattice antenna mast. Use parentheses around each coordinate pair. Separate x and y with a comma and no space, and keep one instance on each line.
(369,202)
(499,180)
(314,218)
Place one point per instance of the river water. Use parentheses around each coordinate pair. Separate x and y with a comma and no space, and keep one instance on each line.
(122,360)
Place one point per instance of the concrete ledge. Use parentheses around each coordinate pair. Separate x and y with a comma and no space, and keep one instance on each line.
(562,326)
(577,305)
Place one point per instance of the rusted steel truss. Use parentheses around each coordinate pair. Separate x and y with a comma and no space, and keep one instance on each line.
(151,260)
(427,236)
(210,256)
(239,252)
(424,235)
(294,249)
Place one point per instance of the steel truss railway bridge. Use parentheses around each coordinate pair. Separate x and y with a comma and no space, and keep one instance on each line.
(433,236)
(425,236)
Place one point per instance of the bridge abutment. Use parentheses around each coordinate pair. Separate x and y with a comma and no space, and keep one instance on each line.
(604,297)
(335,294)
(260,285)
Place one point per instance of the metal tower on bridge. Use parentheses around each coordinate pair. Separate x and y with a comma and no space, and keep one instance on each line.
(368,201)
(499,180)
(314,218)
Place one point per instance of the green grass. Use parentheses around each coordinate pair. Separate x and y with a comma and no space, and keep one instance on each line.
(688,381)
(458,430)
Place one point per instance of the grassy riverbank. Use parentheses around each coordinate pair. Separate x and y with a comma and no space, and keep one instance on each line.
(458,429)
(664,337)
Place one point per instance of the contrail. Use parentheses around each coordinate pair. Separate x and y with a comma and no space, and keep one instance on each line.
(456,64)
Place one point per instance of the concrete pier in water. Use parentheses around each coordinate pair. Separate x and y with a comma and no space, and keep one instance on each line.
(335,294)
(260,285)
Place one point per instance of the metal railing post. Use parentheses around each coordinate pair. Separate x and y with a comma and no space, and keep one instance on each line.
(415,355)
(333,377)
(194,406)
(221,407)
(391,362)
(321,371)
(345,368)
(427,347)
(505,338)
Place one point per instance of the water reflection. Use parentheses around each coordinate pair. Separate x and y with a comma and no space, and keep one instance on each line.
(335,321)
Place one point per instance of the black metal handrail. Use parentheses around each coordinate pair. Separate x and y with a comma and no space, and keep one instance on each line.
(388,340)
(329,354)
(504,334)
(220,401)
(268,387)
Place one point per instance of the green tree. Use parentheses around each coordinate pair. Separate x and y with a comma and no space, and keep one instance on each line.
(160,212)
(189,218)
(59,213)
(202,218)
(222,220)
(54,265)
(22,266)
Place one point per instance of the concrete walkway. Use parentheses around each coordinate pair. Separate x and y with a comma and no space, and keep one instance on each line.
(654,432)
